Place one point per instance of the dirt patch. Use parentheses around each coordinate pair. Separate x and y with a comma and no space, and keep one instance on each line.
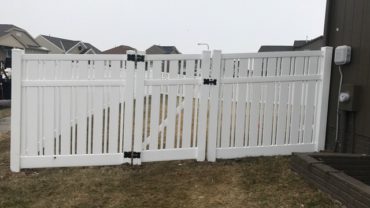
(249,182)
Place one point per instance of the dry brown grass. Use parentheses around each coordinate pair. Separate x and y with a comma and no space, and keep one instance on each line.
(250,182)
(4,112)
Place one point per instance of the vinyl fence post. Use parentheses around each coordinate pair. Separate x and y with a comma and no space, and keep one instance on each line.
(139,108)
(15,142)
(323,98)
(214,105)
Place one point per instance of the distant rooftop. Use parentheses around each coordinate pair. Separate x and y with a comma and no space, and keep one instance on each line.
(313,44)
(122,49)
(157,49)
(4,28)
(66,44)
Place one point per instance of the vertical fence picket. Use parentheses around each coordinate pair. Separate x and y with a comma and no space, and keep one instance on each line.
(65,120)
(268,114)
(226,101)
(113,106)
(171,108)
(97,141)
(48,110)
(241,105)
(296,106)
(283,104)
(255,123)
(188,106)
(155,107)
(32,109)
(81,111)
(203,109)
(310,94)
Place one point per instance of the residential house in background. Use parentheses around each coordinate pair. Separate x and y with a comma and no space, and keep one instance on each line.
(122,49)
(157,49)
(298,45)
(64,46)
(12,36)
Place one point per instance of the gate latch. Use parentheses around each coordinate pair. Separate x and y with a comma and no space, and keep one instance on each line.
(131,154)
(135,57)
(210,81)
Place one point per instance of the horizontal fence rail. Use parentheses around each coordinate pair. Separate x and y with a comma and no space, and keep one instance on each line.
(85,110)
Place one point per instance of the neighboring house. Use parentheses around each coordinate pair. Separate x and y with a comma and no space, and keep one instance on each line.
(65,46)
(12,36)
(298,45)
(157,49)
(122,49)
(347,23)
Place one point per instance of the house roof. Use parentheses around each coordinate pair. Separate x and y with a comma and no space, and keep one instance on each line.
(88,45)
(157,49)
(26,41)
(302,43)
(62,43)
(66,44)
(297,45)
(122,49)
(270,48)
(4,28)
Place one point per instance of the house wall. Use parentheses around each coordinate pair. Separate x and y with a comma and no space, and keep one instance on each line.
(51,47)
(348,23)
(35,51)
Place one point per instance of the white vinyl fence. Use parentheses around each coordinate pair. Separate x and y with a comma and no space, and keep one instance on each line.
(84,110)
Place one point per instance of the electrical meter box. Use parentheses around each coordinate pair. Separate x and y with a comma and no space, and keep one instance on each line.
(350,104)
(342,55)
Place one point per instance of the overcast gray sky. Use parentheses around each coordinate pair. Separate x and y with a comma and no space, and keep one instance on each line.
(229,25)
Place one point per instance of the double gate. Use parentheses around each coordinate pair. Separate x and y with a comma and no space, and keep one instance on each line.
(83,110)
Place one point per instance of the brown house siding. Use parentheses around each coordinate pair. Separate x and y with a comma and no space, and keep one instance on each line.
(348,23)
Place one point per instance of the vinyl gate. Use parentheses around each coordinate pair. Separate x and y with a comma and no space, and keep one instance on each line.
(82,110)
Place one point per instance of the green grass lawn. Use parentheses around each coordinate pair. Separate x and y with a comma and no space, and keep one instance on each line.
(249,182)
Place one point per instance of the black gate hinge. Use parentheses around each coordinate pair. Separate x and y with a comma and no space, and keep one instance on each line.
(131,154)
(135,57)
(210,81)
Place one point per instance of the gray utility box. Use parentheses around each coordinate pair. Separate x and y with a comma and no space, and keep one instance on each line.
(352,103)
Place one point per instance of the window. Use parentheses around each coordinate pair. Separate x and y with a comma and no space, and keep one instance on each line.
(8,53)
